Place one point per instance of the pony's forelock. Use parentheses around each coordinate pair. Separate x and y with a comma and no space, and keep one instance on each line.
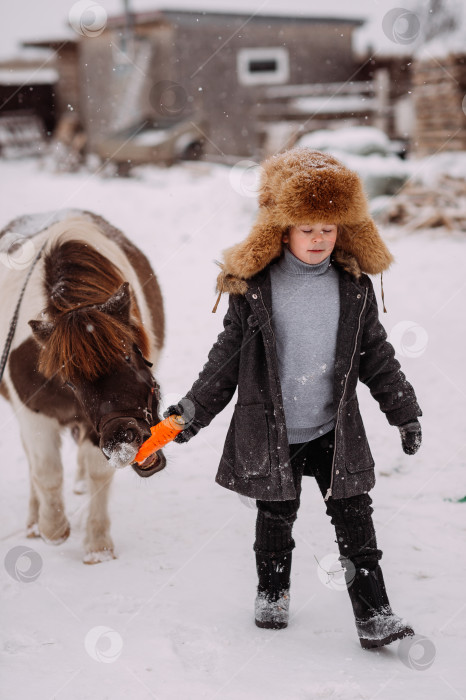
(85,342)
(88,344)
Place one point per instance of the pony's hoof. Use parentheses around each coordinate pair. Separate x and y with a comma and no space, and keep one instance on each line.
(56,540)
(98,557)
(80,487)
(32,531)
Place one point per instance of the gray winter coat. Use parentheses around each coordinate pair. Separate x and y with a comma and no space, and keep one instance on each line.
(255,460)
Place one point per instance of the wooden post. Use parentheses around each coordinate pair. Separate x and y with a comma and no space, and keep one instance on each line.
(382,95)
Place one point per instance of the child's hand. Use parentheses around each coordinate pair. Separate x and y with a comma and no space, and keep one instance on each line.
(176,410)
(411,436)
(185,409)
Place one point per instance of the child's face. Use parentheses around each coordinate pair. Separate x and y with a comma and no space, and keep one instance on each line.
(311,243)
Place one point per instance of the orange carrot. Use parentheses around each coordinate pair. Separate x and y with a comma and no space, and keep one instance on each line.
(162,433)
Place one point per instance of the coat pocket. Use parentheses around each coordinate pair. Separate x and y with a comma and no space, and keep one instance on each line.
(358,455)
(252,449)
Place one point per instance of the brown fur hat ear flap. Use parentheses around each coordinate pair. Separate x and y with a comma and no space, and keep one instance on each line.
(364,243)
(263,245)
(234,285)
(347,261)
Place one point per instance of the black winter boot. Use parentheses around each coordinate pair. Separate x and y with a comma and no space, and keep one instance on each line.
(375,622)
(273,591)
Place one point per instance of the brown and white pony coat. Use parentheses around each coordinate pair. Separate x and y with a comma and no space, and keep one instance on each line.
(90,325)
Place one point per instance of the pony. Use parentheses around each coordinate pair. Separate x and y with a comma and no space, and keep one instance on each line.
(89,329)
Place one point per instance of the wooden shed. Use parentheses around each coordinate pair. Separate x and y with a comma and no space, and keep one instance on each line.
(211,69)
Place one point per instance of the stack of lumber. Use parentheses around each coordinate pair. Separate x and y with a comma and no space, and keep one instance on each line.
(439,86)
(419,206)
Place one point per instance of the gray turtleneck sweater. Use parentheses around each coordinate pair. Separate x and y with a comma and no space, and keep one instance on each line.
(305,314)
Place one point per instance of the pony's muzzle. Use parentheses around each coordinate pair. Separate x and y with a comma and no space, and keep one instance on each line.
(121,438)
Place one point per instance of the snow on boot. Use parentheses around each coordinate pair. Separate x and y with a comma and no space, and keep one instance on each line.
(376,623)
(382,628)
(272,603)
(272,614)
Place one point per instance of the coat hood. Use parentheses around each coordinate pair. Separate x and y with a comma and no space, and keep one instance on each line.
(302,186)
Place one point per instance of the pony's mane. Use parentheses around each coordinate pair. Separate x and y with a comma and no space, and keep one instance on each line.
(85,342)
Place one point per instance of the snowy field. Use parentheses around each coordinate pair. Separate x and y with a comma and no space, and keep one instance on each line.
(172,616)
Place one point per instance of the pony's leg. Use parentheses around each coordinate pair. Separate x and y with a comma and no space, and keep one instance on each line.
(80,478)
(32,527)
(40,436)
(80,485)
(98,543)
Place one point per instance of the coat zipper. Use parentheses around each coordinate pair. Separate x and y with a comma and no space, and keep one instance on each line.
(329,490)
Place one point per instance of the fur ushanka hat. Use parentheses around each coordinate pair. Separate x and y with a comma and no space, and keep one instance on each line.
(302,186)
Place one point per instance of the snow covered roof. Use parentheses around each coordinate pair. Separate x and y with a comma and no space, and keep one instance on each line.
(312,9)
(158,15)
(28,76)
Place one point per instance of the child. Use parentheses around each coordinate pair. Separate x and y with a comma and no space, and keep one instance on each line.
(301,328)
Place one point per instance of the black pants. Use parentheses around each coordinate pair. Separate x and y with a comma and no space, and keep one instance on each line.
(351,517)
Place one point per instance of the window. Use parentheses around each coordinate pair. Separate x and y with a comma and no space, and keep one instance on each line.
(263,66)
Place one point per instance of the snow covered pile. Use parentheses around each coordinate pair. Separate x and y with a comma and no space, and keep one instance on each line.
(359,140)
(434,196)
(428,171)
(419,207)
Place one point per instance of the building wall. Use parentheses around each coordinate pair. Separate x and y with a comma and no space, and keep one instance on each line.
(117,80)
(205,57)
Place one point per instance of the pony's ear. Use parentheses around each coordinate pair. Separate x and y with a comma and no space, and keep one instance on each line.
(119,304)
(42,330)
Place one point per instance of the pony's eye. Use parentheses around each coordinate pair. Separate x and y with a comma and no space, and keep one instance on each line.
(71,386)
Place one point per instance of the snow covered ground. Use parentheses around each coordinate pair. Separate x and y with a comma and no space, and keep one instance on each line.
(172,616)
